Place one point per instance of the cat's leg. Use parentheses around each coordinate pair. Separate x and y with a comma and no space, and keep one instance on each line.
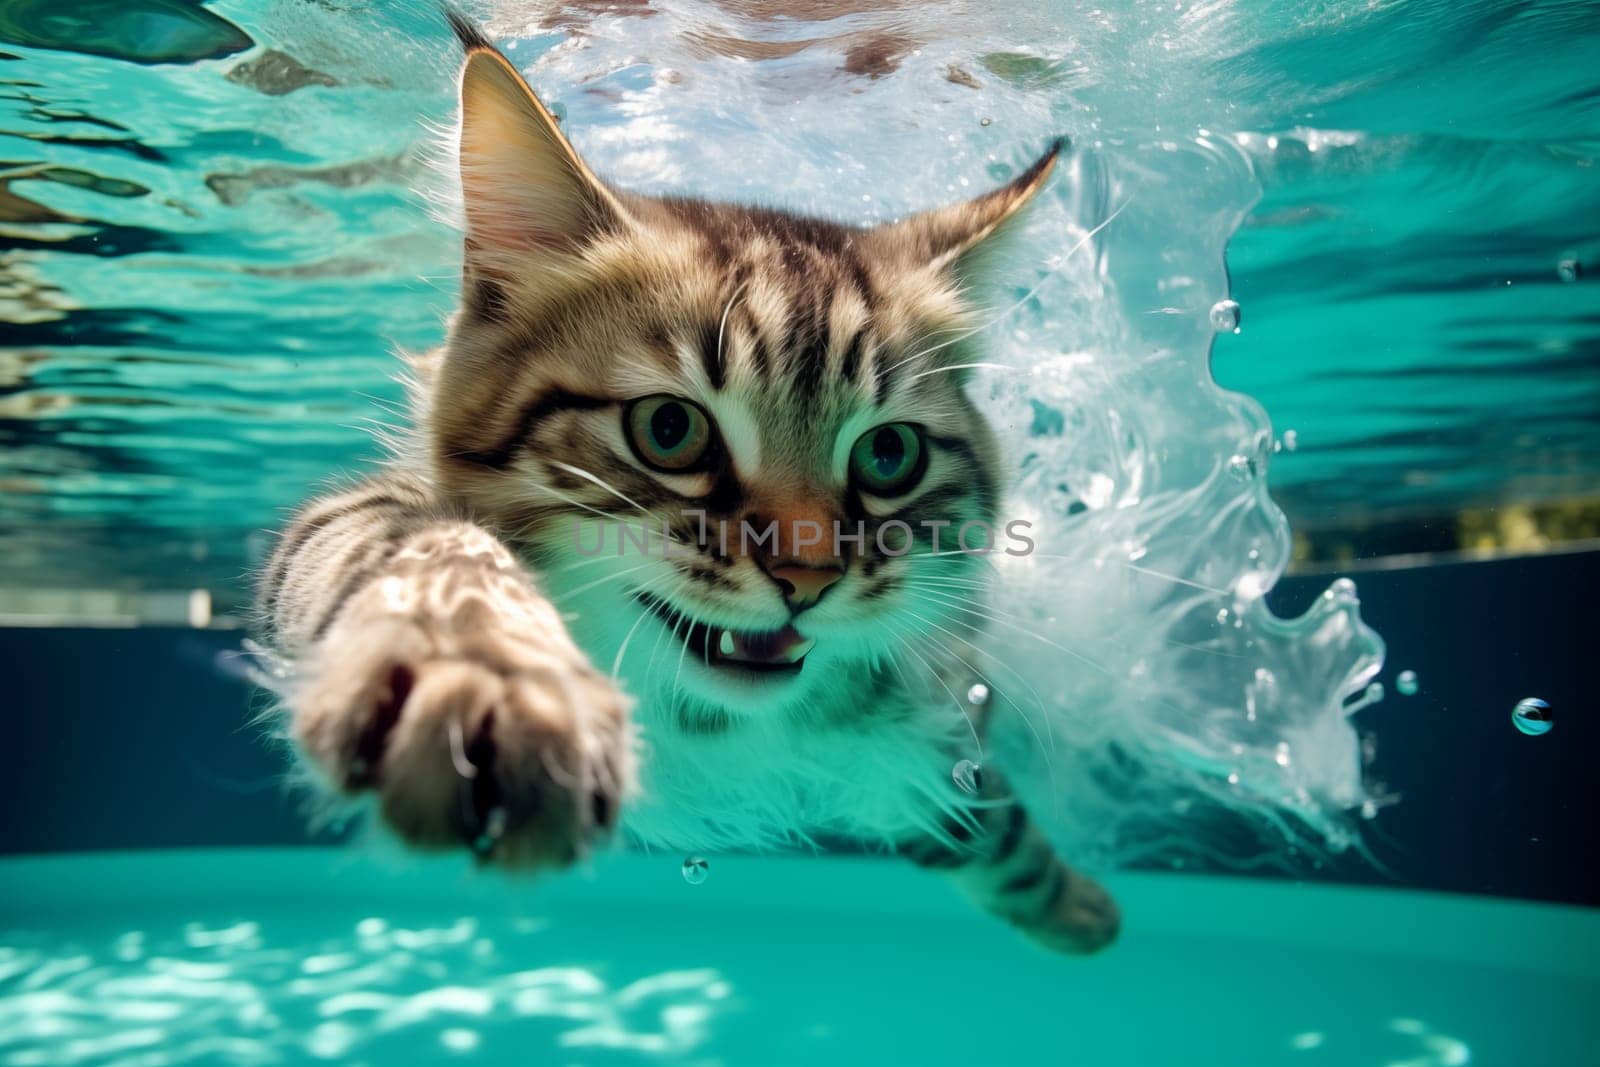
(430,671)
(1009,869)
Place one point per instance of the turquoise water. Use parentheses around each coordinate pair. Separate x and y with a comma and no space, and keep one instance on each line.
(189,957)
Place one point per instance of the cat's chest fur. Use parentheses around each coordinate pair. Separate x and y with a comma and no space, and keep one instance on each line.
(878,776)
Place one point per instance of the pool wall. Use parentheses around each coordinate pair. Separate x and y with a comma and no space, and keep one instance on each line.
(134,738)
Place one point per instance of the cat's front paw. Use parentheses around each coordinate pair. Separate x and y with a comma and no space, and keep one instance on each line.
(452,690)
(1082,918)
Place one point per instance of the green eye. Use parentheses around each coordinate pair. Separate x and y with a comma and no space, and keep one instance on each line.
(667,433)
(888,460)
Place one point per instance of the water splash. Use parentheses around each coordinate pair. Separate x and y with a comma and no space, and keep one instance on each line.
(1214,697)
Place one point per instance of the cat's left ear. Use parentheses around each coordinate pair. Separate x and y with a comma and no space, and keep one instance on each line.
(939,237)
(523,185)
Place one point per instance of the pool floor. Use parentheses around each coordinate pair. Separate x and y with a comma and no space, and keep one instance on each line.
(359,957)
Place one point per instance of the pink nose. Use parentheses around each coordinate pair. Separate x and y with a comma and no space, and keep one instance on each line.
(803,586)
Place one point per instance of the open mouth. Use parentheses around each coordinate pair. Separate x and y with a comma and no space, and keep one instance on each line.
(752,650)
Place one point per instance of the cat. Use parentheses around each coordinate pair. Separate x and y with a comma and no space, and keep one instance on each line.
(658,554)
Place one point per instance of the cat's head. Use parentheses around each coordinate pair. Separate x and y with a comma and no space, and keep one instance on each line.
(725,437)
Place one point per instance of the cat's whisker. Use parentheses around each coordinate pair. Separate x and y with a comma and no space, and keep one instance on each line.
(578,565)
(530,525)
(977,594)
(994,614)
(569,593)
(655,650)
(602,483)
(961,366)
(1085,660)
(1047,750)
(907,644)
(1001,619)
(1173,578)
(966,603)
(1074,654)
(632,524)
(955,581)
(926,574)
(616,664)
(953,553)
(677,674)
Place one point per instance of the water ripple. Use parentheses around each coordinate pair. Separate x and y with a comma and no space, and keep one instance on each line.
(254,992)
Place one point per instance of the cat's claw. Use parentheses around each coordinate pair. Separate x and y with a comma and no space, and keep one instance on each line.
(498,738)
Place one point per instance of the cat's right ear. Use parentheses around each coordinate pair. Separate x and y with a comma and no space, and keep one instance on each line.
(522,184)
(942,236)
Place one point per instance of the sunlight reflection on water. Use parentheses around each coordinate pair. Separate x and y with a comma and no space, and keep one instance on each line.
(249,994)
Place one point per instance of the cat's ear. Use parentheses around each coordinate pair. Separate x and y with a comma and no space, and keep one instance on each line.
(523,186)
(939,237)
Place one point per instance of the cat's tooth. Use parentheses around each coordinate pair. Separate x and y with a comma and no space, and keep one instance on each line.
(725,644)
(798,652)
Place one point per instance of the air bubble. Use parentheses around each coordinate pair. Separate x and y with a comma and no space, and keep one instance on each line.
(968,776)
(1291,440)
(978,695)
(1242,468)
(1368,697)
(1406,683)
(1225,316)
(985,121)
(1570,270)
(696,869)
(1532,716)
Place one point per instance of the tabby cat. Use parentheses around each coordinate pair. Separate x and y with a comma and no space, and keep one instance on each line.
(545,619)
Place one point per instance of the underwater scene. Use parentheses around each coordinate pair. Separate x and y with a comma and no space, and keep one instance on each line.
(1177,427)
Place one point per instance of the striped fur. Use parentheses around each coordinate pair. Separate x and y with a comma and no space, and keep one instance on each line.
(1010,869)
(463,657)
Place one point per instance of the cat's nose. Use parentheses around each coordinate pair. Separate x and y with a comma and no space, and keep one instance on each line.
(803,586)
